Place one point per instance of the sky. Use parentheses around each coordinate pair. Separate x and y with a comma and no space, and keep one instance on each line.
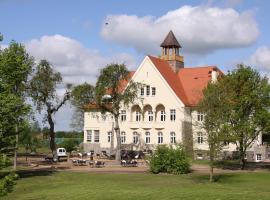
(80,37)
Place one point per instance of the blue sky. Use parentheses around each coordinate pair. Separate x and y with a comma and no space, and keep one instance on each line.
(80,37)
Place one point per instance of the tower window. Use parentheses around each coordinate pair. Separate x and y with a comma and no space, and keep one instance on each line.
(89,135)
(109,136)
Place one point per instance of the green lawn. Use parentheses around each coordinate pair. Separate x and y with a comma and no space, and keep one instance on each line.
(80,185)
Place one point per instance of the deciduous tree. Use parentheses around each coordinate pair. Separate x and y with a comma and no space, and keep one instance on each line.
(112,93)
(43,92)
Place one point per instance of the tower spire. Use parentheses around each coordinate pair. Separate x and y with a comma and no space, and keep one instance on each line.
(170,52)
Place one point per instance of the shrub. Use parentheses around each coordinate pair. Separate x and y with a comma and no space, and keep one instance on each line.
(7,183)
(69,144)
(169,160)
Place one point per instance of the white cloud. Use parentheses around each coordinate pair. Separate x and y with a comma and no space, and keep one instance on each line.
(200,29)
(261,58)
(75,62)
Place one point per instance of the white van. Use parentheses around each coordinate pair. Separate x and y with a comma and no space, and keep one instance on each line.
(61,154)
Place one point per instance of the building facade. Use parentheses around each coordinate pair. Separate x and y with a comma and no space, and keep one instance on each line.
(164,112)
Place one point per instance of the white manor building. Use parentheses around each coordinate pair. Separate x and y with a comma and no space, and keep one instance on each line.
(165,110)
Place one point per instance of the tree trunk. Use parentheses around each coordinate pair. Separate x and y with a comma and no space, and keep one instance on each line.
(118,140)
(112,141)
(211,173)
(16,147)
(242,155)
(52,134)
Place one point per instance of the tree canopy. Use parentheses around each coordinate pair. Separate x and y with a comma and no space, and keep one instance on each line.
(115,88)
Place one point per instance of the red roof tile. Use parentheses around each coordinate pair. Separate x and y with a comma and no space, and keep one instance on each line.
(188,83)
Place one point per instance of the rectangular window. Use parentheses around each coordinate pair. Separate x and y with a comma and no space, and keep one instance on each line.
(142,91)
(89,135)
(258,157)
(160,137)
(135,138)
(150,116)
(96,136)
(200,138)
(147,137)
(109,136)
(123,137)
(200,117)
(138,116)
(153,91)
(172,114)
(173,140)
(147,90)
(162,116)
(123,115)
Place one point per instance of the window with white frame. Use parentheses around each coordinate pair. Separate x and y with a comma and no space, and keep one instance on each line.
(147,90)
(258,157)
(135,138)
(138,116)
(89,135)
(123,115)
(142,91)
(199,138)
(147,137)
(153,91)
(173,139)
(199,116)
(123,137)
(172,114)
(162,115)
(96,136)
(109,136)
(160,138)
(150,116)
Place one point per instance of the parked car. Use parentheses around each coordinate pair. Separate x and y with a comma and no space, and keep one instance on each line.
(59,155)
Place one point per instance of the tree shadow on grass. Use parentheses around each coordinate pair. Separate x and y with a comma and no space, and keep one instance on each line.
(36,172)
(217,178)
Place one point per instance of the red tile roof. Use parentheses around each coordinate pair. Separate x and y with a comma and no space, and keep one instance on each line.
(188,83)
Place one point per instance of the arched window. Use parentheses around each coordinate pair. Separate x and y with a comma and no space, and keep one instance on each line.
(123,137)
(135,138)
(173,140)
(147,137)
(160,138)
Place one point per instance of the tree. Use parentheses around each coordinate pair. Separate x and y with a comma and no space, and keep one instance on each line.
(111,94)
(15,68)
(43,92)
(248,100)
(215,129)
(80,96)
(69,144)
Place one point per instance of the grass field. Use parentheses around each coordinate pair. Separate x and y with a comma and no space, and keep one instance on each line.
(82,185)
